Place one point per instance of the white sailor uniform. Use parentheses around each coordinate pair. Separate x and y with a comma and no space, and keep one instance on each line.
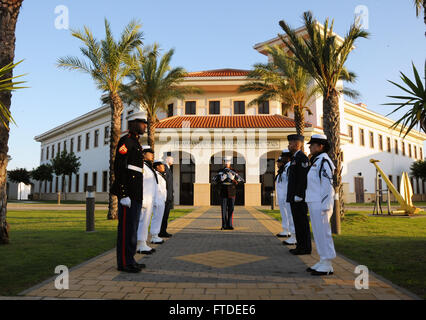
(285,209)
(159,205)
(320,200)
(149,197)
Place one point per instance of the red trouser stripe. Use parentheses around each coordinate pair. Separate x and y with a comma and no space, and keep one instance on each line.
(123,246)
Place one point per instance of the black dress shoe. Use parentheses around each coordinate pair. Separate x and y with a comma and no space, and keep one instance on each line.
(140,266)
(165,235)
(310,269)
(321,273)
(130,269)
(230,228)
(298,252)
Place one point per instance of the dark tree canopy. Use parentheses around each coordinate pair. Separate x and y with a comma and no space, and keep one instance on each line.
(418,169)
(42,173)
(65,164)
(19,175)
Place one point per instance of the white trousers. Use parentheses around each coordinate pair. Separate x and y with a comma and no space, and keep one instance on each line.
(322,231)
(157,217)
(286,217)
(144,222)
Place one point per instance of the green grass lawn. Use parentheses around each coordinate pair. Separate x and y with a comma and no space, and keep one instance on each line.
(393,247)
(35,202)
(384,204)
(41,240)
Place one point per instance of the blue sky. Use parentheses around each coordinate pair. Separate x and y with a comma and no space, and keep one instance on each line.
(205,36)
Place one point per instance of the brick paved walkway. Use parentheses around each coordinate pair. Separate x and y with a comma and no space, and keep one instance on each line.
(202,262)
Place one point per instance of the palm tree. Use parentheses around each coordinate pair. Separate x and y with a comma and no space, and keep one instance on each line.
(416,116)
(420,4)
(154,82)
(9,12)
(285,80)
(324,57)
(108,65)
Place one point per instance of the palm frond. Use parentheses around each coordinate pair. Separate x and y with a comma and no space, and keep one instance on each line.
(416,115)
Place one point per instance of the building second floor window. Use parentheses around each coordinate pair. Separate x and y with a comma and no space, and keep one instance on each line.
(284,109)
(47,153)
(170,110)
(415,152)
(42,154)
(409,151)
(96,138)
(239,107)
(351,133)
(421,153)
(264,107)
(59,147)
(190,107)
(87,140)
(371,140)
(72,145)
(65,145)
(214,107)
(361,137)
(53,151)
(403,148)
(388,144)
(396,147)
(380,142)
(78,143)
(106,135)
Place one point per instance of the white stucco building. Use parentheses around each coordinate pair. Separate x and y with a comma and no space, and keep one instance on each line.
(202,128)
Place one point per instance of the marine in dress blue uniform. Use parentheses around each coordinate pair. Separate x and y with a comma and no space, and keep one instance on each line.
(128,187)
(297,175)
(169,199)
(228,179)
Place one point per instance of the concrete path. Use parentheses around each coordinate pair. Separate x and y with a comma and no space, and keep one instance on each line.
(202,262)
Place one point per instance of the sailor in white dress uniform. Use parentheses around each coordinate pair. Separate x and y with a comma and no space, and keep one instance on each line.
(320,200)
(281,192)
(160,202)
(150,181)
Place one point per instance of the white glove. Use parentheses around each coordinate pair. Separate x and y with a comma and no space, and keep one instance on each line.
(223,177)
(297,199)
(231,176)
(126,202)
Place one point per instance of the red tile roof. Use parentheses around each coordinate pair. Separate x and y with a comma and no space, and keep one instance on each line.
(219,73)
(236,121)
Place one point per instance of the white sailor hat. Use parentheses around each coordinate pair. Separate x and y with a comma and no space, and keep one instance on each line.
(227,159)
(318,138)
(147,149)
(285,151)
(158,162)
(137,116)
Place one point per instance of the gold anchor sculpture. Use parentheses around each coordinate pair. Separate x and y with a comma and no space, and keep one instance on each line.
(407,191)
